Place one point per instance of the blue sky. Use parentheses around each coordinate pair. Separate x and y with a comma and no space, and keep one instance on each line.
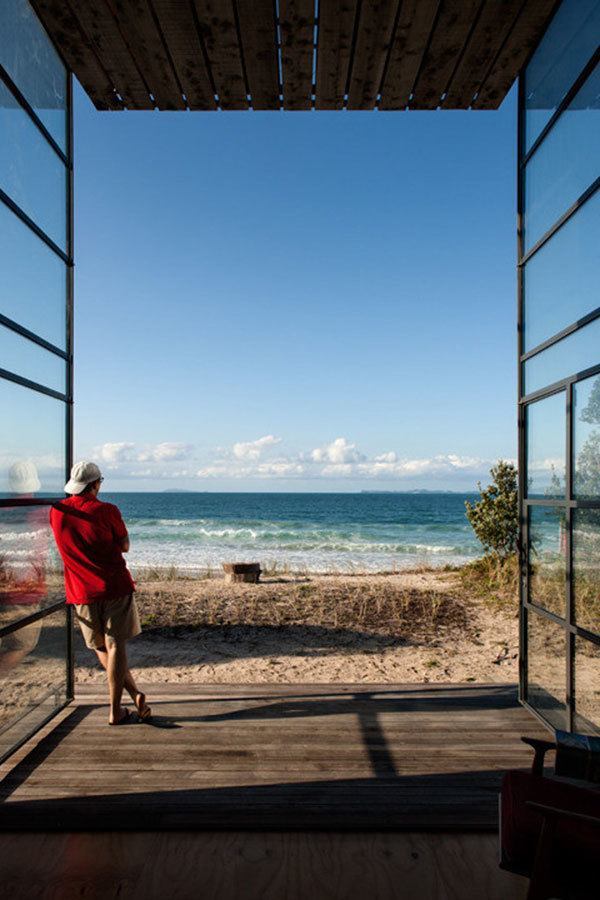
(295,301)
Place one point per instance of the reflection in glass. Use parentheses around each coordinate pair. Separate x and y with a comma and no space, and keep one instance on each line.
(30,59)
(586,568)
(31,173)
(33,281)
(566,47)
(571,149)
(546,447)
(23,357)
(32,676)
(546,668)
(34,431)
(572,354)
(547,558)
(560,281)
(586,438)
(587,687)
(30,569)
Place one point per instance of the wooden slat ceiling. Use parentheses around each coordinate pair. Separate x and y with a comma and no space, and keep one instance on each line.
(295,54)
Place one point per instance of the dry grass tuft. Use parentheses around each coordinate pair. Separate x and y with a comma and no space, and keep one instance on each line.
(373,604)
(492,579)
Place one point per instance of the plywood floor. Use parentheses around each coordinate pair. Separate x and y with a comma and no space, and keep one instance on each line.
(254,865)
(413,757)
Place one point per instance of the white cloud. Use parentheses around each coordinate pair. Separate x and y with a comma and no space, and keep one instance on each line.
(249,460)
(169,450)
(390,457)
(254,449)
(338,452)
(115,453)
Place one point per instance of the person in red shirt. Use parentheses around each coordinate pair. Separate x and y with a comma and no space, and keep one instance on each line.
(91,538)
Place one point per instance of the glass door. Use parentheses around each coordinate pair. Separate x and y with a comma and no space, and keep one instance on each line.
(559,370)
(36,666)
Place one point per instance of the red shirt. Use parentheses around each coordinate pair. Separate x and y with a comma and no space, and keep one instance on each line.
(88,534)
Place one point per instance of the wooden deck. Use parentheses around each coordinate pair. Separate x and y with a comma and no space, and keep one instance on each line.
(330,757)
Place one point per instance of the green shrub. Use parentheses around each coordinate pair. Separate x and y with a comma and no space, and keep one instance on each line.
(495,517)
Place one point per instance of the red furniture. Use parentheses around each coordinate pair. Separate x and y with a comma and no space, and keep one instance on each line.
(550,830)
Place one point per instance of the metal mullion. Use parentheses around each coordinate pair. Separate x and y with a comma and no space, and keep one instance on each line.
(563,105)
(568,214)
(8,502)
(33,617)
(33,385)
(558,386)
(38,727)
(16,209)
(32,336)
(572,629)
(521,427)
(569,555)
(555,338)
(28,108)
(70,661)
(548,614)
(534,712)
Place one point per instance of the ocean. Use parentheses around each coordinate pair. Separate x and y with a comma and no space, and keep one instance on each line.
(366,532)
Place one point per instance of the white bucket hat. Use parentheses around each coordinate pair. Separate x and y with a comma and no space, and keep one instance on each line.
(82,474)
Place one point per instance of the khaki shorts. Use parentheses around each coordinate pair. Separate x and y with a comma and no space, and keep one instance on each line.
(26,638)
(108,621)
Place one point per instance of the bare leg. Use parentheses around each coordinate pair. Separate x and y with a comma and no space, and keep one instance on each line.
(138,697)
(116,669)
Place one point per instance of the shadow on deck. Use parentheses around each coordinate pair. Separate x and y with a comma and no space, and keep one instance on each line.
(415,757)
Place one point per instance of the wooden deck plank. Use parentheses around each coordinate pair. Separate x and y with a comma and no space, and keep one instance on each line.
(218,30)
(98,22)
(493,27)
(522,39)
(336,29)
(407,51)
(373,42)
(138,27)
(178,27)
(274,756)
(78,52)
(259,40)
(296,22)
(447,43)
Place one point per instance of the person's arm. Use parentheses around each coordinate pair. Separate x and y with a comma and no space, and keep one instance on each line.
(119,530)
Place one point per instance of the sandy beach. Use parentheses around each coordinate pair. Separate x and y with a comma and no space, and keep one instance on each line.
(417,626)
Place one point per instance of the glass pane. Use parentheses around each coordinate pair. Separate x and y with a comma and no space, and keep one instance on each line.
(575,353)
(28,56)
(30,569)
(31,173)
(566,163)
(546,447)
(547,558)
(586,568)
(23,357)
(546,667)
(33,281)
(561,280)
(33,669)
(587,687)
(33,442)
(563,52)
(586,438)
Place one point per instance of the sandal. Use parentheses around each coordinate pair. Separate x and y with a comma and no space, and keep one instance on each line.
(124,718)
(143,710)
